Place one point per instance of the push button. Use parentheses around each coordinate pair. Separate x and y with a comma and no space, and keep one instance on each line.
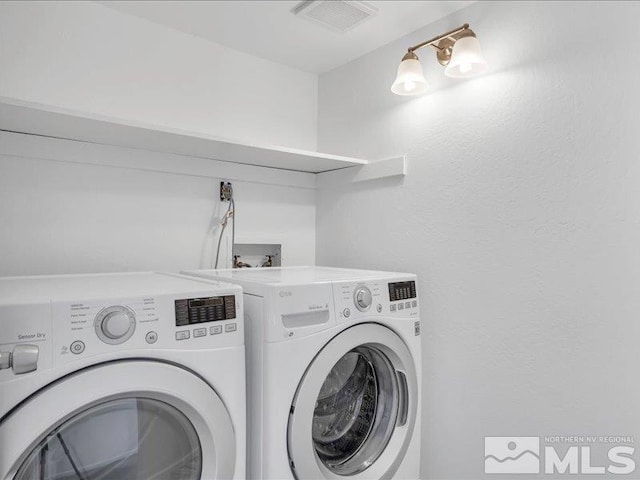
(77,347)
(401,306)
(231,327)
(183,335)
(392,307)
(346,312)
(414,304)
(200,332)
(407,305)
(215,330)
(151,337)
(379,308)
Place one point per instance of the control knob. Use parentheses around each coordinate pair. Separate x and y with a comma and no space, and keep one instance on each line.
(362,298)
(23,359)
(115,324)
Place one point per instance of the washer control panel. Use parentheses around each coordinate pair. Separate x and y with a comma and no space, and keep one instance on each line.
(399,291)
(362,298)
(376,298)
(402,295)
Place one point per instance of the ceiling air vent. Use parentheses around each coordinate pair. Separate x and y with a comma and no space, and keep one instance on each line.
(338,15)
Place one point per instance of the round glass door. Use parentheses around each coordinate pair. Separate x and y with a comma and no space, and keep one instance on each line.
(356,410)
(127,438)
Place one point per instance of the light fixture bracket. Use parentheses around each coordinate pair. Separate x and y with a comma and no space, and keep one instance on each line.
(450,34)
(410,55)
(444,48)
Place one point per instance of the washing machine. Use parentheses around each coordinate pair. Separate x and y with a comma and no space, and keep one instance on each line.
(334,367)
(121,376)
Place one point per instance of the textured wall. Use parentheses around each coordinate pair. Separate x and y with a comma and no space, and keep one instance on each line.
(520,214)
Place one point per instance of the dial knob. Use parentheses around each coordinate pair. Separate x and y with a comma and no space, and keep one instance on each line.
(362,298)
(115,324)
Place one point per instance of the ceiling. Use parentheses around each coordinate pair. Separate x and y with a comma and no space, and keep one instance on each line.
(269,30)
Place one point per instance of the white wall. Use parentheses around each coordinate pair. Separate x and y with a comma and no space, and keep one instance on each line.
(68,218)
(59,217)
(88,57)
(520,215)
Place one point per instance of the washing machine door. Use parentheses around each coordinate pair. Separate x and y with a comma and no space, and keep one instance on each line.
(133,420)
(354,411)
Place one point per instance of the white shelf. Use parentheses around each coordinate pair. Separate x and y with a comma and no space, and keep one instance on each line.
(43,120)
(389,168)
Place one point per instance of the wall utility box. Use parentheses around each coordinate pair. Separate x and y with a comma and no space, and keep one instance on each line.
(252,255)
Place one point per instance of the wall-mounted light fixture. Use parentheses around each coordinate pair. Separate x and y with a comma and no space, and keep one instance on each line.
(458,51)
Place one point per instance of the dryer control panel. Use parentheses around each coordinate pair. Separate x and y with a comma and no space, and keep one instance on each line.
(142,323)
(207,309)
(37,336)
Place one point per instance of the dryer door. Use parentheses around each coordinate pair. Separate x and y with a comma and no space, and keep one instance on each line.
(354,411)
(135,420)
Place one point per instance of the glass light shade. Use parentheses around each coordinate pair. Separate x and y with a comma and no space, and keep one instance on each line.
(410,79)
(466,59)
